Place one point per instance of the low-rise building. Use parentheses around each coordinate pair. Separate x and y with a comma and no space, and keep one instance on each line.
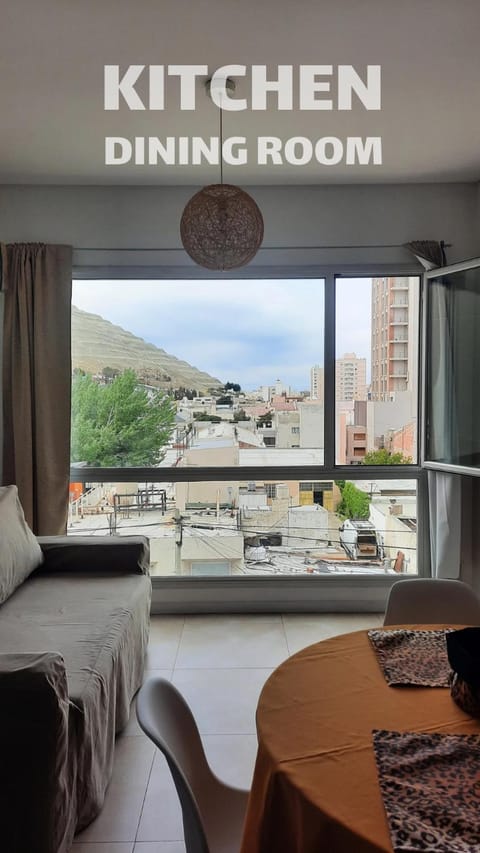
(356,444)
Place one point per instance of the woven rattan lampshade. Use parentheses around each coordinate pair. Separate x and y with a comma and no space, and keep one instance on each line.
(221,227)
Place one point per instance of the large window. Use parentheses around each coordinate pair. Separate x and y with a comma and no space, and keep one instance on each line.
(222,420)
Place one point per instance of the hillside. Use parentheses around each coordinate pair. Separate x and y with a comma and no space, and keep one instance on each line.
(97,344)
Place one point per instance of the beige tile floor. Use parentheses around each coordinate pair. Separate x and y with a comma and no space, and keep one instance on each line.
(220,664)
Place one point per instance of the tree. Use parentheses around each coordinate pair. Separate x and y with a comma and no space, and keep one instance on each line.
(265,420)
(109,373)
(241,415)
(204,416)
(354,503)
(119,424)
(384,457)
(180,393)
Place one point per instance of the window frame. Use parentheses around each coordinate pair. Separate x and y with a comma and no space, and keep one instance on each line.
(425,461)
(286,593)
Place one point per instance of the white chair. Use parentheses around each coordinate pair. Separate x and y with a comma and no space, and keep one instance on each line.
(213,813)
(432,601)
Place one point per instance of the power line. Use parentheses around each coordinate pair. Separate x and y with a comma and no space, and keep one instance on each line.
(252,531)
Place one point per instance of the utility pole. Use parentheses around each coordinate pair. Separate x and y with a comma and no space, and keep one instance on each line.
(178,542)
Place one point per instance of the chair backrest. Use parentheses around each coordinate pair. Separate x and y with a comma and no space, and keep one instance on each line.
(432,601)
(167,720)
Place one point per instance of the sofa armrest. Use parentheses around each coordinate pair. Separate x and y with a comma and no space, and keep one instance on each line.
(112,554)
(34,743)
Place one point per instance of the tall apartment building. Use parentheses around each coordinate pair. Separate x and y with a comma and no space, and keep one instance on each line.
(350,377)
(394,336)
(317,382)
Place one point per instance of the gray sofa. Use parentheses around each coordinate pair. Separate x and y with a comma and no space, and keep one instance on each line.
(73,638)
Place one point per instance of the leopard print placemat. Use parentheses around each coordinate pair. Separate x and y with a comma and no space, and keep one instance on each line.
(430,785)
(409,657)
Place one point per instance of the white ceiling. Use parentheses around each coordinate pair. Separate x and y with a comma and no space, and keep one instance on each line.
(52,55)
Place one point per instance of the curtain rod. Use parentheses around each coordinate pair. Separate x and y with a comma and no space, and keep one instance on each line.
(261,249)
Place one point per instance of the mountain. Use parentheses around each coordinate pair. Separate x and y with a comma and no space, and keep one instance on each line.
(97,344)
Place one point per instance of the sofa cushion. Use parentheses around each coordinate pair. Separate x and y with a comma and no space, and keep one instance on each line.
(20,552)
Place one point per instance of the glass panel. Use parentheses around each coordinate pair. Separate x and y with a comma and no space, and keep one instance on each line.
(376,370)
(258,528)
(453,367)
(190,373)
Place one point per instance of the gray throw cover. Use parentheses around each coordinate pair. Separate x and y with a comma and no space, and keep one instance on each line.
(72,657)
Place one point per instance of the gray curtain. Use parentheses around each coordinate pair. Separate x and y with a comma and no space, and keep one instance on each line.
(443,425)
(445,510)
(430,253)
(452,423)
(444,489)
(37,284)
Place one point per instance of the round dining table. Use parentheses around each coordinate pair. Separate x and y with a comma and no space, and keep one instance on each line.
(315,786)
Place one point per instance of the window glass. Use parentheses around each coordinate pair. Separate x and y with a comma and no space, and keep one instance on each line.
(197,373)
(259,528)
(376,370)
(453,361)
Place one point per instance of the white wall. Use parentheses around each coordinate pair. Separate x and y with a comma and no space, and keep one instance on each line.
(395,534)
(311,424)
(368,215)
(384,415)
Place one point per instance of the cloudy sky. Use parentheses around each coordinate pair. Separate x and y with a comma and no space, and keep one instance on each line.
(251,332)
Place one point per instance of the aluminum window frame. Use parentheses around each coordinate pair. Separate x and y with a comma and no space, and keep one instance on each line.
(174,594)
(426,463)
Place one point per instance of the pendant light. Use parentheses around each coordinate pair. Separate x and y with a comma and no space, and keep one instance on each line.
(221,226)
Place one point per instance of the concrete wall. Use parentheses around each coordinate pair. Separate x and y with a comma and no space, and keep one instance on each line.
(395,534)
(383,416)
(300,527)
(307,525)
(164,556)
(205,493)
(205,547)
(311,424)
(284,423)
